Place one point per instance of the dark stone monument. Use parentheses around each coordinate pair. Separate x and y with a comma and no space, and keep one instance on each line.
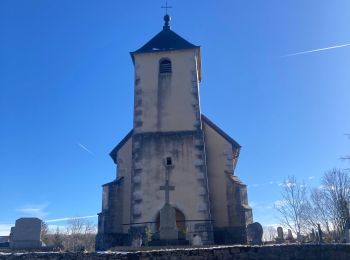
(255,233)
(320,233)
(11,233)
(346,236)
(312,236)
(280,235)
(290,237)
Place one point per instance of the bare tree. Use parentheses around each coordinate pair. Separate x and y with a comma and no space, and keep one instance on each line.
(89,236)
(57,239)
(44,233)
(294,205)
(270,233)
(336,188)
(320,210)
(80,235)
(328,205)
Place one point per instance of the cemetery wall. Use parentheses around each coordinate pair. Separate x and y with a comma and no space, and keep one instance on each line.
(284,252)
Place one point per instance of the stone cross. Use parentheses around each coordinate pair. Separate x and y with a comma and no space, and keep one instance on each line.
(167,229)
(167,188)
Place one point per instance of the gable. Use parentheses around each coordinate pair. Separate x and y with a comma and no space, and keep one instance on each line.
(234,144)
(114,152)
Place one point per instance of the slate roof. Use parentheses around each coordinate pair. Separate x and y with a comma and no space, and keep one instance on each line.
(116,181)
(221,132)
(164,41)
(113,153)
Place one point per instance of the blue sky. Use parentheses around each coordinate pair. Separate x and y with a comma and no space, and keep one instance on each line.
(66,93)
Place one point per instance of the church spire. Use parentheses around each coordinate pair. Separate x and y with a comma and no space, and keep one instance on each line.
(166,17)
(166,39)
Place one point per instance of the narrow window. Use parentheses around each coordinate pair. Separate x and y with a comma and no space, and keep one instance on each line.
(164,66)
(168,161)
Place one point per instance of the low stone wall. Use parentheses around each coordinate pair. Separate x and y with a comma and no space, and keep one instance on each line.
(283,252)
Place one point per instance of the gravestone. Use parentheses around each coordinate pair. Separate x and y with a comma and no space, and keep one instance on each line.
(136,240)
(197,240)
(255,233)
(312,236)
(168,229)
(280,235)
(320,233)
(317,237)
(290,237)
(26,234)
(11,233)
(346,236)
(299,237)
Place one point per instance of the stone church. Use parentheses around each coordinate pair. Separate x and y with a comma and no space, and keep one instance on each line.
(174,158)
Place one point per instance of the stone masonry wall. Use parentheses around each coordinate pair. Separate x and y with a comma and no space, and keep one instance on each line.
(283,252)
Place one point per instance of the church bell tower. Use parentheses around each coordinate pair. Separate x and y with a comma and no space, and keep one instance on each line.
(168,135)
(167,76)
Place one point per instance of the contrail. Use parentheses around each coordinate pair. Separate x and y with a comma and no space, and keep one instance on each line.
(69,218)
(86,149)
(316,50)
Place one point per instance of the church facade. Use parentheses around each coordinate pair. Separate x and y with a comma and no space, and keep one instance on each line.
(174,155)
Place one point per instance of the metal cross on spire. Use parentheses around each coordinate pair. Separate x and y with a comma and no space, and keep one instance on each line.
(166,7)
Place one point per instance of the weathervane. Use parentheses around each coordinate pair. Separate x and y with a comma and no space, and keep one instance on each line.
(166,7)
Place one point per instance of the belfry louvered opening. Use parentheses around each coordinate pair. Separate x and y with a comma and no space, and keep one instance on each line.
(164,66)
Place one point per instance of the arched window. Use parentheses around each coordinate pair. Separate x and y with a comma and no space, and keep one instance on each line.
(164,66)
